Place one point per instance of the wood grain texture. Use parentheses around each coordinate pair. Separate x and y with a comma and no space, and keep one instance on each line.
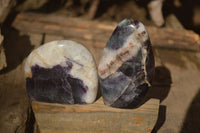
(3,63)
(6,7)
(95,118)
(97,33)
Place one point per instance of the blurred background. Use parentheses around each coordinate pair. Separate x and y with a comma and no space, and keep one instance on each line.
(173,27)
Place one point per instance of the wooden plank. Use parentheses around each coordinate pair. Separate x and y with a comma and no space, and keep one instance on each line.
(97,33)
(3,63)
(6,7)
(95,118)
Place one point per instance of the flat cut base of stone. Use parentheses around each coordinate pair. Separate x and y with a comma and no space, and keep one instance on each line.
(95,118)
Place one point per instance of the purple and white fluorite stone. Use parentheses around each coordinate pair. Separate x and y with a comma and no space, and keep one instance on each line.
(126,66)
(61,72)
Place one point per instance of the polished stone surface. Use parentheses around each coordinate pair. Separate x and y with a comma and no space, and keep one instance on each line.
(61,72)
(126,66)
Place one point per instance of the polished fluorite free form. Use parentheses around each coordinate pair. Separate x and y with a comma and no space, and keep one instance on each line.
(61,72)
(126,66)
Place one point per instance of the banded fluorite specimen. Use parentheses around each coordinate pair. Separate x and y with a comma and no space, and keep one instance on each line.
(126,66)
(61,72)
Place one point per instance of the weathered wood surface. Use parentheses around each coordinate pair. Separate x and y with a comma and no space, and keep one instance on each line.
(6,7)
(93,9)
(95,118)
(97,33)
(2,53)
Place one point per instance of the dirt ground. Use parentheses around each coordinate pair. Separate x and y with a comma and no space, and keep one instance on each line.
(177,78)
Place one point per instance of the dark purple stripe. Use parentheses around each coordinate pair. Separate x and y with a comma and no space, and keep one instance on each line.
(55,85)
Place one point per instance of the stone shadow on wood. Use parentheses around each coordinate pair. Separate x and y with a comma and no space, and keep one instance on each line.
(161,83)
(17,48)
(159,90)
(191,122)
(161,118)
